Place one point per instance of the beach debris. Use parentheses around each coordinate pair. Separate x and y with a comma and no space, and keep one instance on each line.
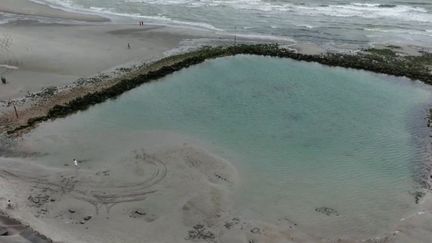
(87,218)
(140,212)
(3,80)
(327,211)
(200,232)
(71,211)
(255,230)
(221,177)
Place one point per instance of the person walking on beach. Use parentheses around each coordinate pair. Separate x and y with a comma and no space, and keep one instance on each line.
(75,162)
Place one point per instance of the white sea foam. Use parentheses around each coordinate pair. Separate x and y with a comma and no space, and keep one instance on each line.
(253,36)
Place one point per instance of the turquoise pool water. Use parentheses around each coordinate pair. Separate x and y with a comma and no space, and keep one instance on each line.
(301,135)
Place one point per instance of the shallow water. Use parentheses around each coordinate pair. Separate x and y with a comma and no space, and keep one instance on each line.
(301,135)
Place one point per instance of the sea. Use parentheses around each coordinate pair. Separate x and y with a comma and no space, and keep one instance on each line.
(331,24)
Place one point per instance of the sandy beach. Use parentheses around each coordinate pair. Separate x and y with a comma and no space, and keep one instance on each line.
(175,189)
(54,55)
(169,190)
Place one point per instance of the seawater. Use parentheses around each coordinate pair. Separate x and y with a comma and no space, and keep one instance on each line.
(330,24)
(301,135)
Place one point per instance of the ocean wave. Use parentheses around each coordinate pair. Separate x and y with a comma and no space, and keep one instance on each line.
(366,10)
(361,10)
(374,11)
(252,36)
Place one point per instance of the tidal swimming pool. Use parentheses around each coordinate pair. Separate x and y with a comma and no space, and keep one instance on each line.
(302,136)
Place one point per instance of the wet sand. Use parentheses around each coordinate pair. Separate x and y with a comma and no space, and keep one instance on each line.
(25,7)
(176,188)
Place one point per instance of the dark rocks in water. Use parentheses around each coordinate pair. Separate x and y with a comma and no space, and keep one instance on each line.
(327,211)
(87,218)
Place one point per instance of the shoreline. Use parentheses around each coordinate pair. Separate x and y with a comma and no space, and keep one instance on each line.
(29,8)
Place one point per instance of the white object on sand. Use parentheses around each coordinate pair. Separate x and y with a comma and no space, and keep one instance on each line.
(8,67)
